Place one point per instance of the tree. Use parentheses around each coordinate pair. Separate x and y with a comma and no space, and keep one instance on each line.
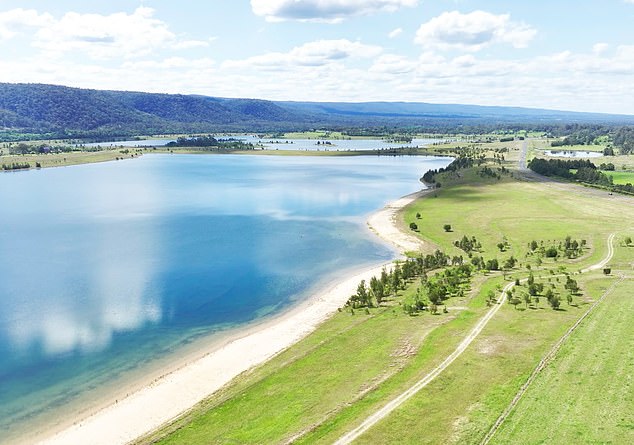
(554,302)
(418,215)
(447,227)
(378,290)
(552,252)
(527,299)
(628,240)
(413,226)
(571,285)
(490,298)
(362,294)
(510,263)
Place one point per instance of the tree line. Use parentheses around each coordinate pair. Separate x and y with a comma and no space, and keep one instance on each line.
(209,141)
(586,172)
(389,283)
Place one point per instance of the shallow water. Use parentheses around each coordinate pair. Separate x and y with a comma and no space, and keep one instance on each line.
(106,268)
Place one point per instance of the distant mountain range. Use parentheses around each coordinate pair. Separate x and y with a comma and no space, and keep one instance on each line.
(65,111)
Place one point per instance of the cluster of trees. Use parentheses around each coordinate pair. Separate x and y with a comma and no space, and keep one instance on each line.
(209,141)
(586,172)
(463,160)
(621,137)
(16,166)
(389,283)
(23,149)
(533,291)
(468,244)
(433,291)
(399,139)
(583,136)
(593,176)
(559,167)
(481,264)
(569,247)
(488,171)
(607,167)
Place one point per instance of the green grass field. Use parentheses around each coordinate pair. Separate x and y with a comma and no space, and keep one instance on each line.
(621,177)
(315,382)
(518,210)
(319,389)
(64,159)
(461,404)
(586,394)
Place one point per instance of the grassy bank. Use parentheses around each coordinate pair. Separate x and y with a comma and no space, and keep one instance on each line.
(70,158)
(316,382)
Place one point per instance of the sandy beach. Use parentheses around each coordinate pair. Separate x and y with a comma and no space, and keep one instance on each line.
(172,394)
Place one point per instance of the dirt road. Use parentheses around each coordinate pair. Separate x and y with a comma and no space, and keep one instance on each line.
(407,394)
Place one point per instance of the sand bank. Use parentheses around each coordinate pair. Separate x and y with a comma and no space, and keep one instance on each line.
(169,396)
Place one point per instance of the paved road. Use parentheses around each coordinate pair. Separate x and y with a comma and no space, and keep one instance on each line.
(523,155)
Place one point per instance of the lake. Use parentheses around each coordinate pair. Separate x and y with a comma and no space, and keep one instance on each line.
(107,270)
(283,144)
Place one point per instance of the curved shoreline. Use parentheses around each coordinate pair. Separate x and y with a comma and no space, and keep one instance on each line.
(168,397)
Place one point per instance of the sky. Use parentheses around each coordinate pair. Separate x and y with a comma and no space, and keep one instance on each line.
(556,54)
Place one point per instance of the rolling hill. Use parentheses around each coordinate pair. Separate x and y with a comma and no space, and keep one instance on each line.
(60,111)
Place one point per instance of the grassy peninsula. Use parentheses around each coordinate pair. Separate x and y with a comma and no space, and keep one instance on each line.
(543,235)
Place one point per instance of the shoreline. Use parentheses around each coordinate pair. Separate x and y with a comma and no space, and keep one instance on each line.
(150,406)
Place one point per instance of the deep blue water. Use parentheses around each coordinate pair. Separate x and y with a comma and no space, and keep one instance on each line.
(106,267)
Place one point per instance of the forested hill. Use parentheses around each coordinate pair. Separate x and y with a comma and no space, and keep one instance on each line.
(60,111)
(47,108)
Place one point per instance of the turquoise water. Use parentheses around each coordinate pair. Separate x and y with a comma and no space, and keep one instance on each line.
(106,268)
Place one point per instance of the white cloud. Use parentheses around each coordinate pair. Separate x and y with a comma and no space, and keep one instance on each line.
(600,48)
(188,44)
(97,36)
(393,64)
(395,33)
(106,36)
(14,21)
(473,31)
(318,53)
(332,11)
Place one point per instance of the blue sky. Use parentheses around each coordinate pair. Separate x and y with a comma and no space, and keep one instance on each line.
(557,54)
